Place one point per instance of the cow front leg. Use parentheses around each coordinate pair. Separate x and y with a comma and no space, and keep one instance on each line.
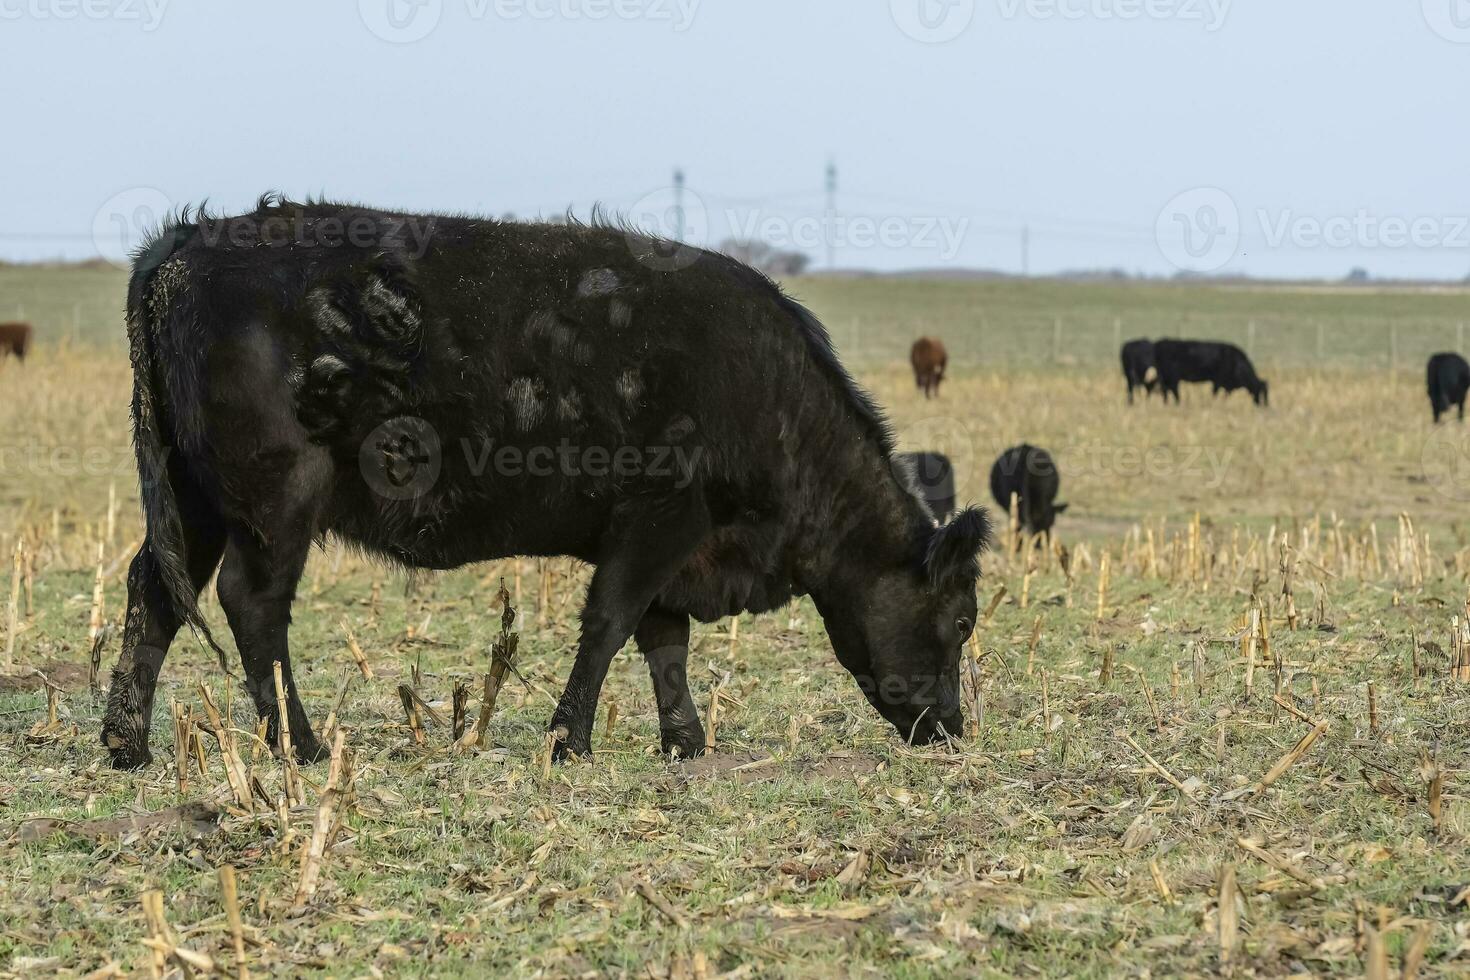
(651,539)
(256,588)
(663,637)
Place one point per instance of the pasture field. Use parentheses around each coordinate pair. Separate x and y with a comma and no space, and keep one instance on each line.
(1222,729)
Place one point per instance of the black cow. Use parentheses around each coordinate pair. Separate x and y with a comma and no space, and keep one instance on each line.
(1225,366)
(444,390)
(1138,367)
(1449,379)
(933,481)
(1031,475)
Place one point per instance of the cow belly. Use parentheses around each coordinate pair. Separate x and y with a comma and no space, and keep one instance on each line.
(711,592)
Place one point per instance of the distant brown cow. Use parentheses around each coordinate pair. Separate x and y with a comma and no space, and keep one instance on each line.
(14,339)
(929,359)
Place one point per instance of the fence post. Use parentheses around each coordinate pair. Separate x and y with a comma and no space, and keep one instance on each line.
(1117,332)
(1460,337)
(1250,338)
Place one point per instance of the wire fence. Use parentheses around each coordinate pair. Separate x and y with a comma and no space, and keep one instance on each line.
(85,306)
(1091,341)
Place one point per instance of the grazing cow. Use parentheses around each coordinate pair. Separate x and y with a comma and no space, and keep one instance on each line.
(1138,367)
(15,338)
(444,390)
(929,359)
(1449,379)
(933,481)
(1031,475)
(1225,366)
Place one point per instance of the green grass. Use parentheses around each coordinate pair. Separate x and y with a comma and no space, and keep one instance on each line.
(1028,853)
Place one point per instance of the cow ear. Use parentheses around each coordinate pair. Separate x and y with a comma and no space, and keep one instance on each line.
(1059,508)
(954,549)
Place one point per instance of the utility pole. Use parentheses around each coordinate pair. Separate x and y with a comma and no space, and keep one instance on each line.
(678,204)
(831,213)
(1026,250)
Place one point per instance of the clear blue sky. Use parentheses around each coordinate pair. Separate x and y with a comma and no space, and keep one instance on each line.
(1081,118)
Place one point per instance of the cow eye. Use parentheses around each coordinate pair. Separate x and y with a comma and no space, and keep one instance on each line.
(964,625)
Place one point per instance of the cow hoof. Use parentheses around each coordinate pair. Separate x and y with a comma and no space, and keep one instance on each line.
(126,753)
(683,743)
(566,745)
(130,758)
(310,751)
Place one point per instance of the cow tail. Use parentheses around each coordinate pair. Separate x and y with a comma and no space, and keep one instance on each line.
(159,467)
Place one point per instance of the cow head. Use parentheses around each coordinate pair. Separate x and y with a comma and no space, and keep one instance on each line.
(900,630)
(1043,519)
(1261,393)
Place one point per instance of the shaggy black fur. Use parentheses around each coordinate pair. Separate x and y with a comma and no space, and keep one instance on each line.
(417,390)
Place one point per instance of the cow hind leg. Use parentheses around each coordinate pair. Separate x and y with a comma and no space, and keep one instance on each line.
(663,638)
(257,584)
(148,631)
(652,539)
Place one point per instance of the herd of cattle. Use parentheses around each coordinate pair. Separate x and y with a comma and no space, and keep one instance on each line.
(1024,479)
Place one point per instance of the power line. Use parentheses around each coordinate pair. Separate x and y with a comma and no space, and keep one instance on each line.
(831,211)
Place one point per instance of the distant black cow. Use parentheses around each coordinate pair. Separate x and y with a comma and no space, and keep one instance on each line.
(1449,379)
(445,390)
(1138,366)
(1030,473)
(933,479)
(1224,366)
